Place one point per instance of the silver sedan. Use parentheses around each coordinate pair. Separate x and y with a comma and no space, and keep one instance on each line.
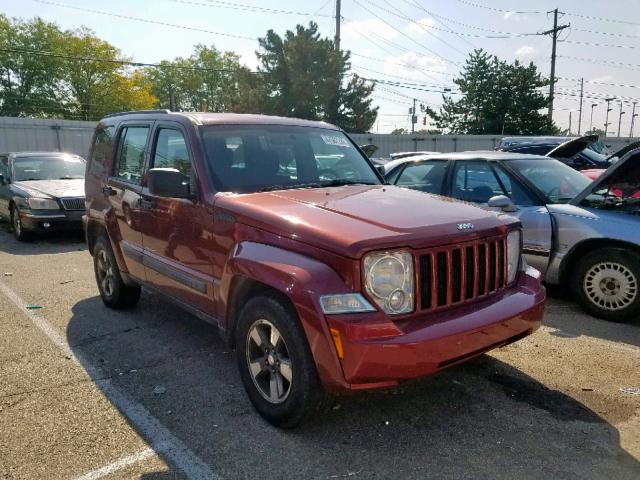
(577,233)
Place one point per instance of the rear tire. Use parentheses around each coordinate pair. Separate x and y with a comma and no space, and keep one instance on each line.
(275,363)
(606,283)
(113,291)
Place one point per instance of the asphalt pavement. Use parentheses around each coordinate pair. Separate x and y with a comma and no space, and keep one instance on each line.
(153,393)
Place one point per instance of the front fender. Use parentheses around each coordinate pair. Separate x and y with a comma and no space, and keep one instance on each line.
(303,280)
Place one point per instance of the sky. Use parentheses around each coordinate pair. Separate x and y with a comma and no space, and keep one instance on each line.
(421,43)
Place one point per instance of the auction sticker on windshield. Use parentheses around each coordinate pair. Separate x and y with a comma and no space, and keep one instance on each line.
(336,140)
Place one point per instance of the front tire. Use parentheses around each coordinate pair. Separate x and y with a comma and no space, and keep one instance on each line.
(113,291)
(275,363)
(16,225)
(606,283)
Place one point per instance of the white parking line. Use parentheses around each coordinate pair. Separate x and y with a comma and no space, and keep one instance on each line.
(161,440)
(118,465)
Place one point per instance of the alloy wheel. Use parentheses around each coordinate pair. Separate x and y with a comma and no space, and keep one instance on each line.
(105,273)
(610,285)
(268,360)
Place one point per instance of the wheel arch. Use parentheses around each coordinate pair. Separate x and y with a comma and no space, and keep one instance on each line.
(570,261)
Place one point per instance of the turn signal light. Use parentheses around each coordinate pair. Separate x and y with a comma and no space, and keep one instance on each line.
(337,341)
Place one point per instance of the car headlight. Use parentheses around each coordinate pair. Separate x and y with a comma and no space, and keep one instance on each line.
(42,204)
(388,278)
(514,250)
(345,303)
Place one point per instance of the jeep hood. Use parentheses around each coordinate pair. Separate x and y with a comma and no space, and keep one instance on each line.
(52,188)
(350,220)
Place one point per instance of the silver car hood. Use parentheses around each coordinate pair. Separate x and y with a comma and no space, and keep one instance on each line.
(53,188)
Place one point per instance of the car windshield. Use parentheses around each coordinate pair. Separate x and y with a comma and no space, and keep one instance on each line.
(594,157)
(556,180)
(48,168)
(252,158)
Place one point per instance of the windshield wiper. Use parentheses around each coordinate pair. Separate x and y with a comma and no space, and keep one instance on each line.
(320,184)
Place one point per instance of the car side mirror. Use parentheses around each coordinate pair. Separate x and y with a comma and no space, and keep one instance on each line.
(168,182)
(502,202)
(380,169)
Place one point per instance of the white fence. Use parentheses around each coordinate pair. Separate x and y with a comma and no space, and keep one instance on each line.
(24,134)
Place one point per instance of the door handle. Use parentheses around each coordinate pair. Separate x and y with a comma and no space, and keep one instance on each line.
(108,191)
(146,204)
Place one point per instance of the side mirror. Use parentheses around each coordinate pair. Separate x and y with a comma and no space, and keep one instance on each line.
(502,202)
(380,169)
(168,182)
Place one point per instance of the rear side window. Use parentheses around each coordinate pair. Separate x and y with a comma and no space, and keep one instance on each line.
(102,148)
(133,141)
(426,176)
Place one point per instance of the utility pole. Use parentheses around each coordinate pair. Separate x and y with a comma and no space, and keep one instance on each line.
(606,121)
(570,112)
(580,114)
(554,37)
(414,117)
(337,24)
(591,119)
(620,119)
(633,119)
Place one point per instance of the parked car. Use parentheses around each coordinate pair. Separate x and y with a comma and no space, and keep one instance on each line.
(321,285)
(549,142)
(41,191)
(575,152)
(399,155)
(574,234)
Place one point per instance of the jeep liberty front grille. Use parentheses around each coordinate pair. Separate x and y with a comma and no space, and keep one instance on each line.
(460,273)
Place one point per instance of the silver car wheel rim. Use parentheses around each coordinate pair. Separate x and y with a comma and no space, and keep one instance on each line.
(610,286)
(268,361)
(105,273)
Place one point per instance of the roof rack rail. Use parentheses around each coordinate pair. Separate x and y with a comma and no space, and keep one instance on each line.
(137,112)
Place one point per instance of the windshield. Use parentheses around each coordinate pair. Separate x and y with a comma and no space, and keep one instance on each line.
(254,158)
(594,157)
(621,191)
(556,180)
(48,168)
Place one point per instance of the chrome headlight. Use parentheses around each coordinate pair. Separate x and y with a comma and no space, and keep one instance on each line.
(514,250)
(388,278)
(36,203)
(345,303)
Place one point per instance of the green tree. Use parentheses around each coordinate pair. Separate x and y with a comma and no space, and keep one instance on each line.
(497,98)
(306,77)
(30,83)
(95,80)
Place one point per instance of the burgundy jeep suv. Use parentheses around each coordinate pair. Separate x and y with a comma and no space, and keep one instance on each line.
(282,234)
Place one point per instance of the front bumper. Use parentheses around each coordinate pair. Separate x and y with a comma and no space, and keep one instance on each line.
(381,353)
(42,221)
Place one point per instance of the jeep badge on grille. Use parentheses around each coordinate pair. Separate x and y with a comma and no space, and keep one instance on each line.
(466,226)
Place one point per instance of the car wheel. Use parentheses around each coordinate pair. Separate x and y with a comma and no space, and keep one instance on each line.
(16,225)
(275,363)
(607,284)
(114,292)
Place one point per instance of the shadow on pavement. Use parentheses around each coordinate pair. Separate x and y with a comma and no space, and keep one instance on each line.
(565,315)
(46,243)
(484,419)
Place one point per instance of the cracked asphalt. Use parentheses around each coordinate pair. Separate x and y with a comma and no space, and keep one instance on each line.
(549,406)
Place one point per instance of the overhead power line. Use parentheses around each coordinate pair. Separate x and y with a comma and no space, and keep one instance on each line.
(596,44)
(597,82)
(248,8)
(145,20)
(611,63)
(610,34)
(602,19)
(501,10)
(131,63)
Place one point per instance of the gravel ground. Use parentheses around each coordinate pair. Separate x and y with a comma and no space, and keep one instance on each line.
(154,394)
